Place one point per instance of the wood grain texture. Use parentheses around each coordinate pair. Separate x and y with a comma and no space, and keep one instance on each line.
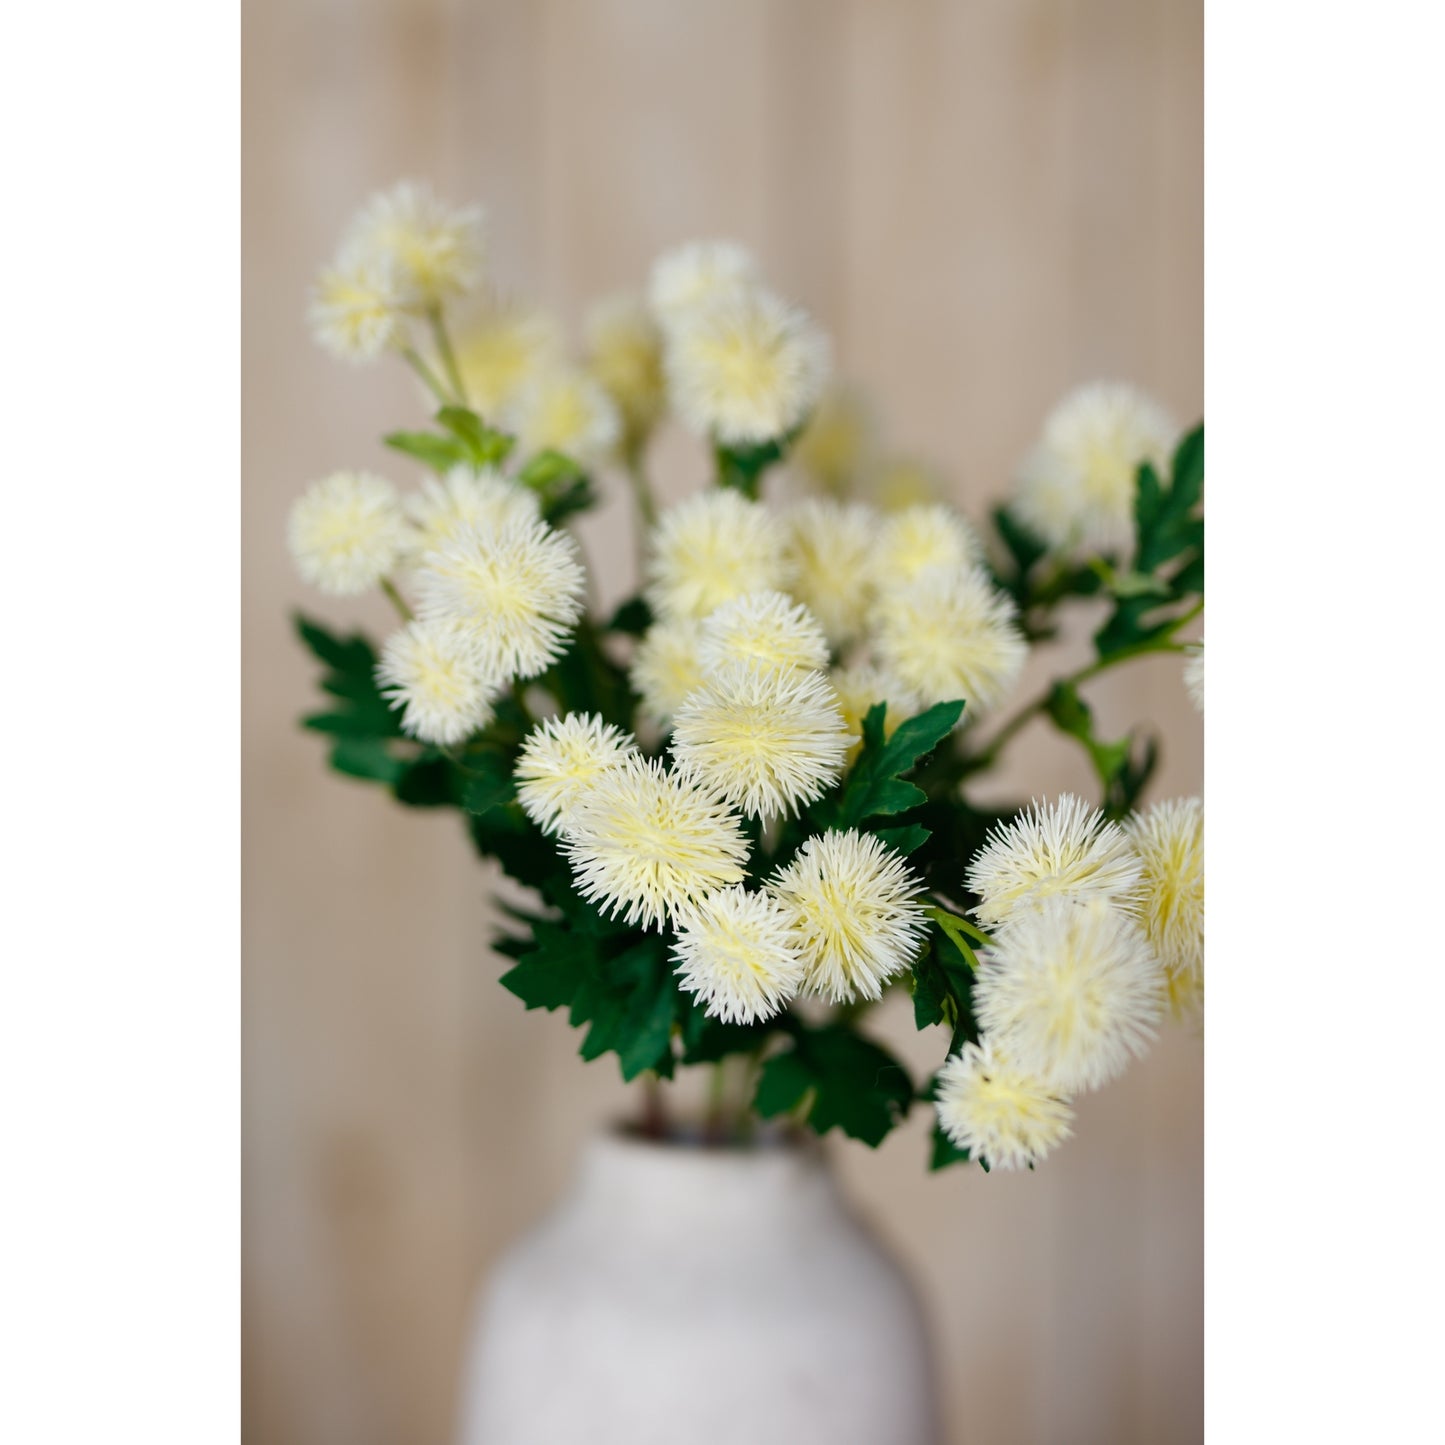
(986,203)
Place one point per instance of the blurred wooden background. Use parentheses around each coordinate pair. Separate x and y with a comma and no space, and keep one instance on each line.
(986,203)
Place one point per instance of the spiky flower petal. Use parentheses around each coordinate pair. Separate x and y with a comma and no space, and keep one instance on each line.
(1169,838)
(766,740)
(430,670)
(667,666)
(563,409)
(765,629)
(698,275)
(1071,991)
(347,531)
(444,508)
(518,589)
(645,843)
(1063,848)
(438,250)
(1076,488)
(998,1112)
(951,635)
(829,548)
(560,759)
(922,540)
(738,953)
(357,310)
(503,347)
(624,354)
(711,548)
(852,901)
(747,369)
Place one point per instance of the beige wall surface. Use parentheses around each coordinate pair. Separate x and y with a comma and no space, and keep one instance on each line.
(985,203)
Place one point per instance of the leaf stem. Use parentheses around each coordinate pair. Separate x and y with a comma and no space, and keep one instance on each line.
(444,350)
(397,600)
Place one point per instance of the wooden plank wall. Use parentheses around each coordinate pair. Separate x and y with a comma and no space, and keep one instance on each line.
(987,202)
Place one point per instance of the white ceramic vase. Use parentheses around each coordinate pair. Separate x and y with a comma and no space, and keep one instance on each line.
(713,1296)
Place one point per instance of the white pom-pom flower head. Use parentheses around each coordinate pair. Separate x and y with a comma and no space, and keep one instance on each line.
(999,1113)
(737,952)
(766,740)
(347,532)
(922,540)
(666,667)
(697,275)
(444,508)
(500,348)
(358,305)
(1064,849)
(644,843)
(1076,488)
(951,635)
(1169,838)
(431,671)
(1071,991)
(437,250)
(561,758)
(712,548)
(767,630)
(746,369)
(852,902)
(860,688)
(830,545)
(563,409)
(519,590)
(624,354)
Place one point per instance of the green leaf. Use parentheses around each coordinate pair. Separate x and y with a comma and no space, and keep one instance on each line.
(550,974)
(632,618)
(367,758)
(483,445)
(364,723)
(487,784)
(586,679)
(441,454)
(742,467)
(873,787)
(706,1040)
(428,782)
(903,841)
(845,1081)
(945,1152)
(943,981)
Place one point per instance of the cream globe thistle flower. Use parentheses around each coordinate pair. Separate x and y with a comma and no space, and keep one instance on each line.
(951,635)
(738,953)
(852,901)
(1071,991)
(767,630)
(899,482)
(443,509)
(624,354)
(1194,676)
(563,409)
(747,369)
(698,275)
(829,545)
(357,307)
(645,843)
(1001,1114)
(560,759)
(437,250)
(501,348)
(920,541)
(837,444)
(707,550)
(430,670)
(861,687)
(1076,488)
(768,741)
(347,532)
(1062,849)
(1185,993)
(519,589)
(1169,838)
(667,666)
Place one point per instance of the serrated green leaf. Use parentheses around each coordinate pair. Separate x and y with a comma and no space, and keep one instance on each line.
(854,1085)
(484,446)
(903,841)
(550,974)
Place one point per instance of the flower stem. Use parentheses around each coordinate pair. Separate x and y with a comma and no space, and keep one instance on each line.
(428,376)
(641,494)
(444,350)
(397,600)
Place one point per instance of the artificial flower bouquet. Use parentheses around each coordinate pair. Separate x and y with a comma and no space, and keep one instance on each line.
(743,804)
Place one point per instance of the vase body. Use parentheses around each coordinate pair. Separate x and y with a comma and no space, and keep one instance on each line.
(714,1296)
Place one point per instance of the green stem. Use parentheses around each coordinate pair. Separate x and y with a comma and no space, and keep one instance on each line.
(444,350)
(397,600)
(428,376)
(641,494)
(1025,715)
